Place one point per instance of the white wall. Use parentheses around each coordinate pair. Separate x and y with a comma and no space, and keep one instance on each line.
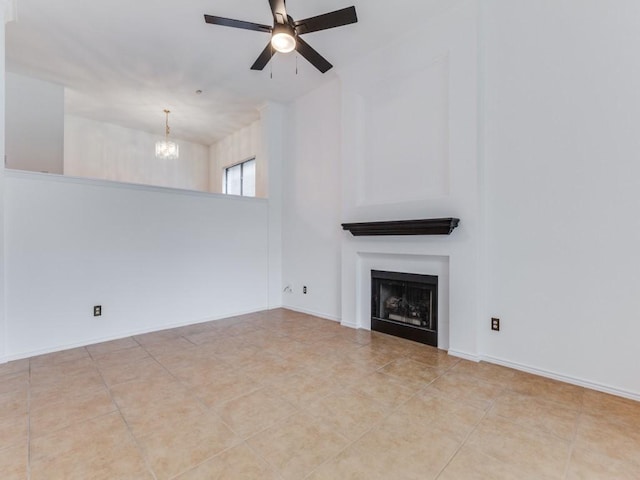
(563,187)
(6,15)
(272,152)
(35,124)
(242,145)
(153,258)
(409,151)
(312,203)
(101,150)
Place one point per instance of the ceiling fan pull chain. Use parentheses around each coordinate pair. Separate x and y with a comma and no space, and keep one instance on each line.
(271,63)
(296,63)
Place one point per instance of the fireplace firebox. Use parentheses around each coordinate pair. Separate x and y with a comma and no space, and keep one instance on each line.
(405,305)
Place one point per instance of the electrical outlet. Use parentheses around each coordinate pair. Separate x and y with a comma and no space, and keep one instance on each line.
(304,289)
(495,324)
(97,310)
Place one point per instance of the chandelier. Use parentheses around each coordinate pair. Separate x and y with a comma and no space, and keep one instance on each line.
(165,148)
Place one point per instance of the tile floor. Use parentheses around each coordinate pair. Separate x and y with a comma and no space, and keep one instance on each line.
(282,395)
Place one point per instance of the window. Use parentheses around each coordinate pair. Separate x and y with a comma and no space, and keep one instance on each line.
(240,179)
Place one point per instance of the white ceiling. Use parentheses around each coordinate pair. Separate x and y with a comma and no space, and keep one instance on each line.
(124,61)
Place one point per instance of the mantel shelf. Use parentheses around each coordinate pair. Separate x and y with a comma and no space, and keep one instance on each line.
(431,226)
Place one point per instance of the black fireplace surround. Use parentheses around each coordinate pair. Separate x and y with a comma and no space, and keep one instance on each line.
(405,305)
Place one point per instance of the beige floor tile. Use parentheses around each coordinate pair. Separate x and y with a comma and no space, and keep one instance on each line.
(196,328)
(13,463)
(98,449)
(411,371)
(485,371)
(432,410)
(69,409)
(157,387)
(303,388)
(235,353)
(13,403)
(385,389)
(349,413)
(517,446)
(112,346)
(13,418)
(60,357)
(533,412)
(621,410)
(586,465)
(165,342)
(467,388)
(433,357)
(357,336)
(146,369)
(344,373)
(155,338)
(226,386)
(570,396)
(237,463)
(207,336)
(397,449)
(14,431)
(297,445)
(45,374)
(470,464)
(82,383)
(615,440)
(269,372)
(14,367)
(200,373)
(14,381)
(119,358)
(183,443)
(254,412)
(146,407)
(297,389)
(369,356)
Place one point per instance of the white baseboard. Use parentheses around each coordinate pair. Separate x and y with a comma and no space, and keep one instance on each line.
(464,355)
(563,378)
(350,325)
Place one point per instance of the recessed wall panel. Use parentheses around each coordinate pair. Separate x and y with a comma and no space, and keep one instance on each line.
(406,138)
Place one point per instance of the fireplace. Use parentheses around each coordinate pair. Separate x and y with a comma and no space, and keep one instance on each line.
(405,305)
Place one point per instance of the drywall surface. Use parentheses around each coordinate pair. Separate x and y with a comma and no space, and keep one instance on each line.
(152,257)
(563,187)
(409,151)
(3,19)
(34,124)
(312,203)
(105,151)
(240,146)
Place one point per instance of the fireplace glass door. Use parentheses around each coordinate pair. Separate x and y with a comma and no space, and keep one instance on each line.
(405,305)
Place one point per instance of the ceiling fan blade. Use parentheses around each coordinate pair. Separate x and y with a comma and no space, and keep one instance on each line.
(338,18)
(312,56)
(229,22)
(264,58)
(279,10)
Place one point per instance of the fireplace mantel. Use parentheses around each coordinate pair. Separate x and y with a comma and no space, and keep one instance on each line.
(431,226)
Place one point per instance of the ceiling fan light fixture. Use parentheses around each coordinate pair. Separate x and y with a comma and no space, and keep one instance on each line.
(283,39)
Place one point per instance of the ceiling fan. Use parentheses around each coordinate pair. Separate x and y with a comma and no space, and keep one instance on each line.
(285,33)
